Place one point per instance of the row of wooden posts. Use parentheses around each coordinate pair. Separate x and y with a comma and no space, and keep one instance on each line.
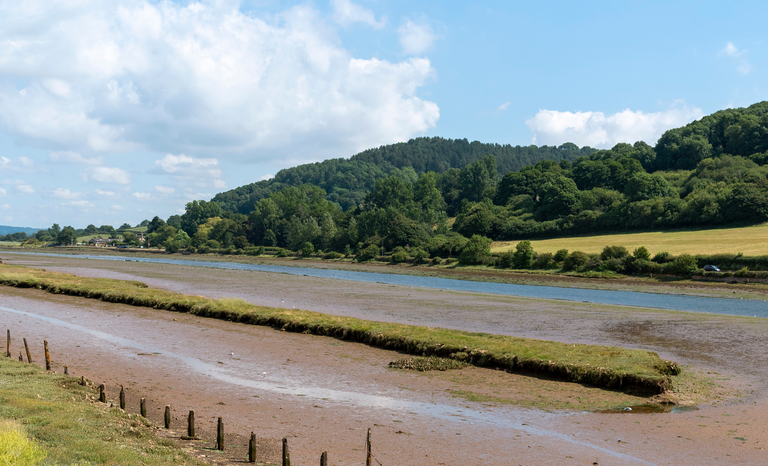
(286,458)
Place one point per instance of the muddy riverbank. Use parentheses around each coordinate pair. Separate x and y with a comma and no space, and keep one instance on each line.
(460,417)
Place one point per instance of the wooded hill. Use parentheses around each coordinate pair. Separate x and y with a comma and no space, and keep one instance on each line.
(348,181)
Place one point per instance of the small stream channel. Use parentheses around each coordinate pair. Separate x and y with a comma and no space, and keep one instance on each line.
(740,307)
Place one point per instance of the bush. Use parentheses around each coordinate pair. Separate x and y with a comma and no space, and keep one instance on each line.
(283,252)
(307,250)
(613,264)
(560,255)
(613,252)
(662,257)
(16,448)
(172,247)
(476,251)
(254,251)
(744,273)
(366,254)
(203,249)
(505,259)
(646,266)
(542,260)
(523,257)
(684,265)
(347,251)
(398,257)
(575,260)
(333,255)
(213,244)
(436,261)
(419,255)
(641,253)
(191,250)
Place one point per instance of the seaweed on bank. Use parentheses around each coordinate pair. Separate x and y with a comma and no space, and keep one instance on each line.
(597,365)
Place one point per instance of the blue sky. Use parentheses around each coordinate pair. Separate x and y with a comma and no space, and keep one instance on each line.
(116,111)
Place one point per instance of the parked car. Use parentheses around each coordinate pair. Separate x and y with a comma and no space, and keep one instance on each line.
(711,268)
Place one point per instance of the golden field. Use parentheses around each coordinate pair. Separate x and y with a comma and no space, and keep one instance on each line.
(751,241)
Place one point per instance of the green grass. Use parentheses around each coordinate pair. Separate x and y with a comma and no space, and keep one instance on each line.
(68,426)
(752,241)
(603,366)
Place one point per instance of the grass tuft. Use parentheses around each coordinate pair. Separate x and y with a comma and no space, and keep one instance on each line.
(430,363)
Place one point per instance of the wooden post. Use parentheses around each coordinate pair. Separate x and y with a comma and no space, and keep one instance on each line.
(21,358)
(47,356)
(122,397)
(8,344)
(252,448)
(324,458)
(167,417)
(143,407)
(103,393)
(191,424)
(66,370)
(82,380)
(29,356)
(286,453)
(368,456)
(220,435)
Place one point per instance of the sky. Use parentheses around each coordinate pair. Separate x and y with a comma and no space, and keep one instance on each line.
(115,111)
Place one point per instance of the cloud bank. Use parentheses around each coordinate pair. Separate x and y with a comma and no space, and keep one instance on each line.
(596,129)
(103,76)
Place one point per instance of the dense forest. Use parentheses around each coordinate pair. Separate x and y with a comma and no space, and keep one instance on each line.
(347,182)
(433,197)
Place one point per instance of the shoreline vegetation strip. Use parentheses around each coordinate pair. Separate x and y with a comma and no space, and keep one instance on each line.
(602,366)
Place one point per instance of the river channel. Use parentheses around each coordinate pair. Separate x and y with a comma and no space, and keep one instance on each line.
(740,307)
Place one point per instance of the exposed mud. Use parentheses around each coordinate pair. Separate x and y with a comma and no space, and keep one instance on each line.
(467,416)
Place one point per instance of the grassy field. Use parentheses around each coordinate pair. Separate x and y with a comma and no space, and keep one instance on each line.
(68,426)
(751,241)
(598,365)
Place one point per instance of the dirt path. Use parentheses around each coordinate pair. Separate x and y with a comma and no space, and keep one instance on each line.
(332,391)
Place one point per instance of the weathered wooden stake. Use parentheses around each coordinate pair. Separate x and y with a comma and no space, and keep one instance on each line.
(47,356)
(167,417)
(368,456)
(191,424)
(220,435)
(143,407)
(21,358)
(66,370)
(324,458)
(82,380)
(8,344)
(252,448)
(286,453)
(29,356)
(103,393)
(122,397)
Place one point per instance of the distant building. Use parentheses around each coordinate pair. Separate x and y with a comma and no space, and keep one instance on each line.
(101,242)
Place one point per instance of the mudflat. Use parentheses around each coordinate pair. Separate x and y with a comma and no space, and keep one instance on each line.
(334,390)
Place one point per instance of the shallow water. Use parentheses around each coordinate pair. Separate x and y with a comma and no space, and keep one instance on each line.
(741,307)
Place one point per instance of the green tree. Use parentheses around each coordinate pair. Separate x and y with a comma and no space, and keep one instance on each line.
(66,236)
(307,249)
(196,213)
(476,251)
(523,257)
(558,197)
(156,224)
(643,186)
(641,253)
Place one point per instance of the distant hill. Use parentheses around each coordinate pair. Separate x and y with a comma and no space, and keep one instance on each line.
(348,181)
(6,230)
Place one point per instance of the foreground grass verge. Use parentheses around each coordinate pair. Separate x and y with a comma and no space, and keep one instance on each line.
(601,366)
(68,426)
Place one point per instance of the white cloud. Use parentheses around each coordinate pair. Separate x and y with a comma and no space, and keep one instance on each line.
(202,78)
(268,176)
(197,171)
(731,50)
(105,193)
(72,157)
(22,164)
(503,106)
(25,189)
(142,196)
(552,127)
(80,203)
(108,175)
(345,13)
(117,207)
(63,193)
(5,207)
(416,38)
(3,192)
(165,189)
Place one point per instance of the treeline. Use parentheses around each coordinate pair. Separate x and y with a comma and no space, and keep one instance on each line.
(347,182)
(439,213)
(68,235)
